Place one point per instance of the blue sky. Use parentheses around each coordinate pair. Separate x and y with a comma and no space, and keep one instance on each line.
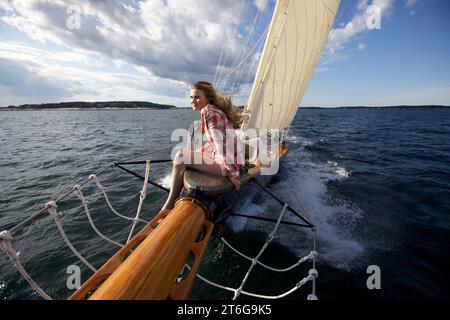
(152,50)
(407,61)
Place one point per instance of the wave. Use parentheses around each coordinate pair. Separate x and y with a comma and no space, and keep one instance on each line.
(302,182)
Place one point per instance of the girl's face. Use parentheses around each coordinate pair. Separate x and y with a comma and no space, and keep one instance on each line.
(198,99)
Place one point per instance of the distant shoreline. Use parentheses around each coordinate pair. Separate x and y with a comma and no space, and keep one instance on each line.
(151,106)
(90,106)
(81,109)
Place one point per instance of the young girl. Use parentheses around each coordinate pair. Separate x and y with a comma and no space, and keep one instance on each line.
(220,155)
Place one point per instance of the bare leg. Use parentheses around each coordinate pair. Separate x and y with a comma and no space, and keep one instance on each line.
(179,167)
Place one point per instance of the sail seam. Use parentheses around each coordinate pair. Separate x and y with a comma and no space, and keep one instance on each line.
(302,76)
(296,58)
(280,27)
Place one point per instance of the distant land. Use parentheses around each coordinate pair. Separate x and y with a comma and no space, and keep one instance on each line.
(107,105)
(143,105)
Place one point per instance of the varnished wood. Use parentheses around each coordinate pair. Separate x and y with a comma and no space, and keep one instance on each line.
(181,289)
(151,270)
(116,260)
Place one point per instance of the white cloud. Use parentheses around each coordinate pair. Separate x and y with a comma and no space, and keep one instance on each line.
(168,44)
(361,46)
(410,3)
(173,39)
(336,49)
(30,75)
(358,24)
(20,52)
(261,4)
(5,5)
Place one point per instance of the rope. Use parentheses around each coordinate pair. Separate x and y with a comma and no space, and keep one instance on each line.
(254,180)
(313,271)
(142,162)
(147,154)
(5,245)
(254,261)
(252,69)
(240,58)
(267,219)
(34,216)
(218,74)
(245,47)
(141,199)
(236,67)
(52,209)
(299,262)
(103,190)
(141,177)
(80,195)
(250,294)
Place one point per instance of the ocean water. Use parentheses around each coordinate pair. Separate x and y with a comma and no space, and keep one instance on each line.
(375,182)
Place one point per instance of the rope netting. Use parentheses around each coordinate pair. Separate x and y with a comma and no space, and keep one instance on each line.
(6,238)
(51,207)
(312,273)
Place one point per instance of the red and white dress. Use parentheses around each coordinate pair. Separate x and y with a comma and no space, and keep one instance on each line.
(222,143)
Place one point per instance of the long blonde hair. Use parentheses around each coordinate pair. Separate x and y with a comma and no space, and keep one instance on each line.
(224,103)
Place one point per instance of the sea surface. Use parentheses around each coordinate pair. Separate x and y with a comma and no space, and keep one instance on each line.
(375,182)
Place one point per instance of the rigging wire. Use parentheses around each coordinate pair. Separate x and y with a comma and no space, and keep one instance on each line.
(219,73)
(240,57)
(246,45)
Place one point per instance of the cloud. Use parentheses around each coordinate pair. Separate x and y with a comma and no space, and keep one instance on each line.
(410,3)
(167,44)
(5,6)
(25,84)
(31,75)
(261,4)
(340,37)
(358,24)
(361,46)
(21,52)
(172,39)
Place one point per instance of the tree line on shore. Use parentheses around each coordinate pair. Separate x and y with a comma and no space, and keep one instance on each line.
(93,105)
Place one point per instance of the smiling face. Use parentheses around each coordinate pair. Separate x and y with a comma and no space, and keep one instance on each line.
(198,99)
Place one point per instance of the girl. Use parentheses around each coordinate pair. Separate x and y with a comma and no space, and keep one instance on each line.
(222,152)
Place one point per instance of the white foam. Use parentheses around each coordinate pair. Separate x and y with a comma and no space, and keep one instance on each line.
(165,180)
(303,184)
(342,172)
(2,284)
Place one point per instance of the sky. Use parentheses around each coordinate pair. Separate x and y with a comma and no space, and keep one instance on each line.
(58,51)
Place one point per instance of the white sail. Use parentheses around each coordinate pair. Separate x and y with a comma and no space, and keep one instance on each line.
(298,32)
